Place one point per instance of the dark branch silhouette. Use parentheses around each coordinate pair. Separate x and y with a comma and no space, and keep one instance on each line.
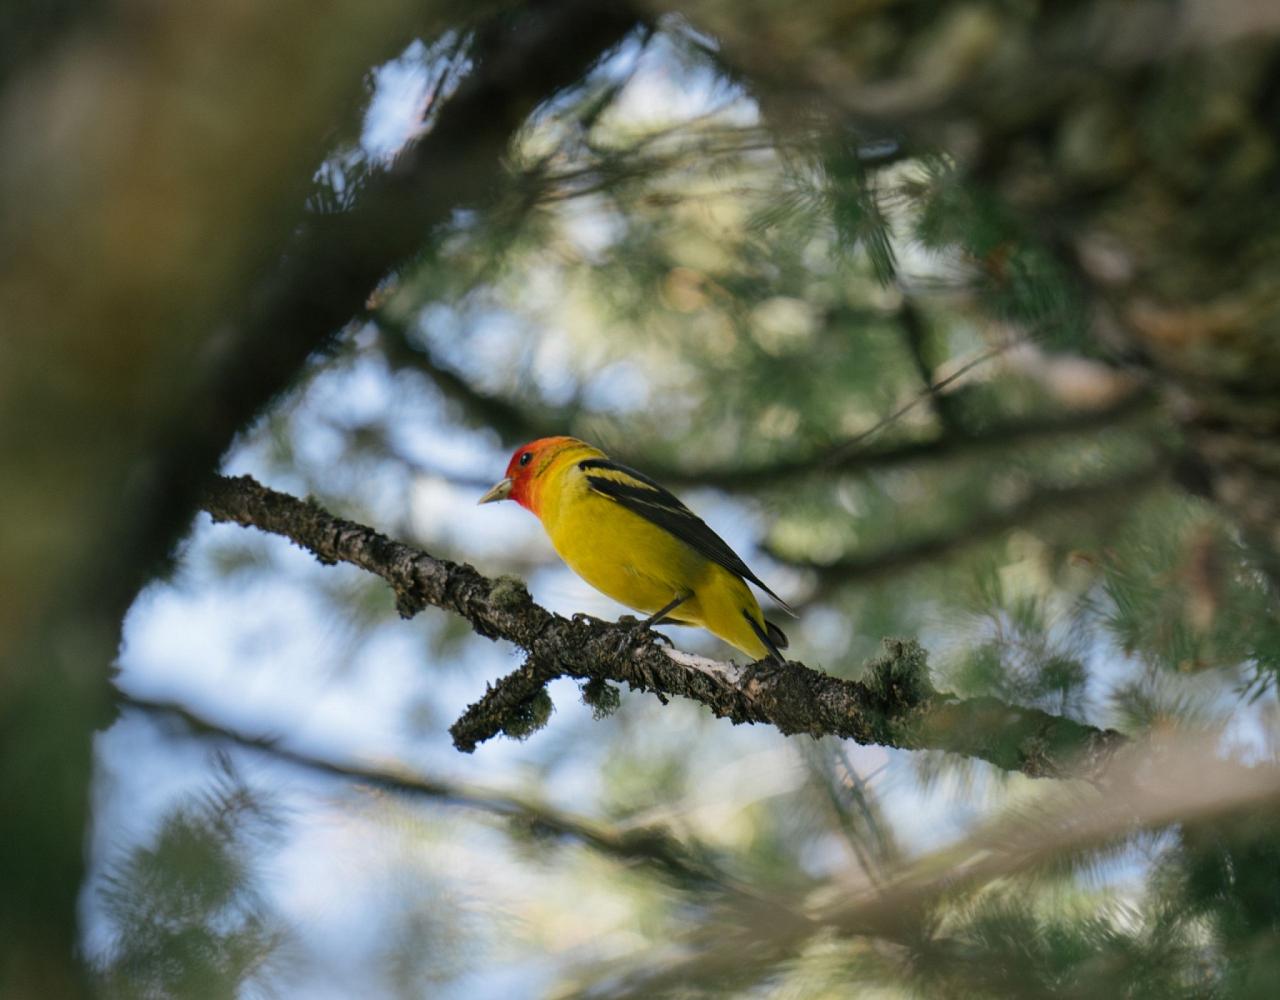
(854,455)
(517,422)
(895,706)
(336,260)
(513,423)
(1039,503)
(687,864)
(915,333)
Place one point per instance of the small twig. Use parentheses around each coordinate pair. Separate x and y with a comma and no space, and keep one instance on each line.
(850,447)
(915,332)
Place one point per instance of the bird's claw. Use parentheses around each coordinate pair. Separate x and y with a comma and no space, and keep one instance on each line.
(643,630)
(582,618)
(638,629)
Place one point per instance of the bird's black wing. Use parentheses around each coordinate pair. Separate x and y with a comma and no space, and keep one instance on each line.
(641,495)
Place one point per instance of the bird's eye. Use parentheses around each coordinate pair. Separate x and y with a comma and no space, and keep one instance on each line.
(524,459)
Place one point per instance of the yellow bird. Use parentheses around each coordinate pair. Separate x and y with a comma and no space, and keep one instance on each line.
(634,541)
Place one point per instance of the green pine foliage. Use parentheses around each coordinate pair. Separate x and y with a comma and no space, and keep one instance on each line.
(187,908)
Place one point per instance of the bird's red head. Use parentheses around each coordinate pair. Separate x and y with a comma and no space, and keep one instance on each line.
(527,464)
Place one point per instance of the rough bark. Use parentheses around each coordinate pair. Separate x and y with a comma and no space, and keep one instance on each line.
(895,705)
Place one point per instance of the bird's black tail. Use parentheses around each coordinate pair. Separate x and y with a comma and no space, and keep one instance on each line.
(774,639)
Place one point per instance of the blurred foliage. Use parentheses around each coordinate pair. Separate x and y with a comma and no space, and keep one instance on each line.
(186,908)
(710,283)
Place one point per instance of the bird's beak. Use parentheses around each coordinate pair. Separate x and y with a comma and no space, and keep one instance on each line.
(500,491)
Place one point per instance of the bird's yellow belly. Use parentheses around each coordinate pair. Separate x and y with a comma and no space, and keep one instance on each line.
(642,567)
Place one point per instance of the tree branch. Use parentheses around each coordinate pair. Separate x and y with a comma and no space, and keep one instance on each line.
(981,527)
(335,261)
(915,333)
(895,706)
(513,422)
(1183,781)
(850,457)
(655,847)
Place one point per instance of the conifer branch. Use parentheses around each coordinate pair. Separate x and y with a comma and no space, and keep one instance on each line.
(895,706)
(1149,788)
(513,422)
(683,863)
(1040,503)
(853,456)
(516,422)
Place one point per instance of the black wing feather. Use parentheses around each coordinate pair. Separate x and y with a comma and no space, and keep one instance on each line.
(661,507)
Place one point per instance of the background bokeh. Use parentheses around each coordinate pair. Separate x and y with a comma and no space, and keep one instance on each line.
(848,335)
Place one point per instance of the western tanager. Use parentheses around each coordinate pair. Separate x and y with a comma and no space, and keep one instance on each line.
(634,541)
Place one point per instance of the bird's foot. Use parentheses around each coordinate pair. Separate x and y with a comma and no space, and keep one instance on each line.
(582,618)
(646,625)
(637,630)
